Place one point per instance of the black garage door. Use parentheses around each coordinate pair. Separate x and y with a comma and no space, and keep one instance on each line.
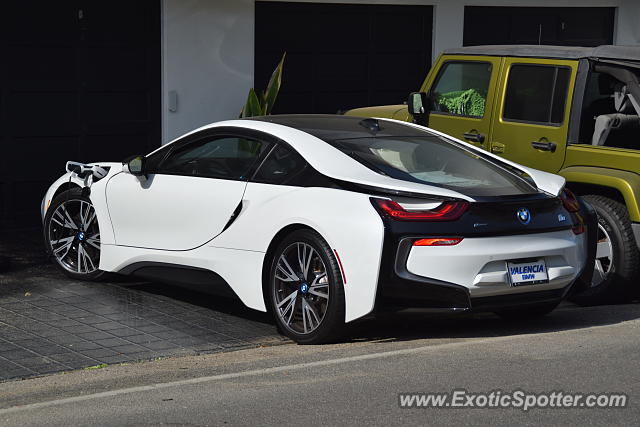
(568,26)
(342,56)
(79,80)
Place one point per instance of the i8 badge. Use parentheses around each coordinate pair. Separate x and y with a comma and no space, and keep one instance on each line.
(524,216)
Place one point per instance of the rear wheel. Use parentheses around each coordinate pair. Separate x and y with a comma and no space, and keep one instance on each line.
(72,235)
(617,254)
(306,290)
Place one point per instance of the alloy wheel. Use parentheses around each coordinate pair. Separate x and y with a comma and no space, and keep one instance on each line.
(301,288)
(74,236)
(604,257)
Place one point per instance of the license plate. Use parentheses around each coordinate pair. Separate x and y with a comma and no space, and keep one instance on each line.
(528,273)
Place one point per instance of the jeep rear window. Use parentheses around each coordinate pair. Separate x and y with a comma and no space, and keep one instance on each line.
(435,161)
(461,89)
(536,94)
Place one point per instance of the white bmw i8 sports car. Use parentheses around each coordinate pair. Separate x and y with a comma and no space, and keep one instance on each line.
(321,219)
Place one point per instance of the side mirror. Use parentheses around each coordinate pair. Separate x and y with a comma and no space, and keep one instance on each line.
(418,105)
(135,165)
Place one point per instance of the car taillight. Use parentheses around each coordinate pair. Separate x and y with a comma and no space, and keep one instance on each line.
(578,229)
(446,211)
(569,201)
(438,241)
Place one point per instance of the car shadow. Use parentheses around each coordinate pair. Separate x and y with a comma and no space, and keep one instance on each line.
(21,250)
(412,325)
(415,324)
(210,301)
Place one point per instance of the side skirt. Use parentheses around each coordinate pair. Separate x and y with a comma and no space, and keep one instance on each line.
(195,278)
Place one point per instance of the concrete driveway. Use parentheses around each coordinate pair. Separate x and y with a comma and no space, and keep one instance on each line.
(49,323)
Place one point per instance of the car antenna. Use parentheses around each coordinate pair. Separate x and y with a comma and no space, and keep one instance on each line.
(371,124)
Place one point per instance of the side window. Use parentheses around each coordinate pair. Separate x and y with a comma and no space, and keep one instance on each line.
(153,160)
(608,118)
(281,166)
(461,89)
(536,94)
(227,157)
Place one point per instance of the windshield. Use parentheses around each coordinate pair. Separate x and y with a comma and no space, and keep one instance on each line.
(435,161)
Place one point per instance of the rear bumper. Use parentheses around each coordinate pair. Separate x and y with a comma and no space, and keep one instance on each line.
(525,299)
(475,277)
(480,264)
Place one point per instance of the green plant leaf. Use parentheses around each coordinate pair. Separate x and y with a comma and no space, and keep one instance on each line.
(252,107)
(271,93)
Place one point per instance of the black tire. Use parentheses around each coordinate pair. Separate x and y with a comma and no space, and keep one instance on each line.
(621,272)
(331,324)
(528,312)
(53,232)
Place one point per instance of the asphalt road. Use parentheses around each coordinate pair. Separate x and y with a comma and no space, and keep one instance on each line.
(583,350)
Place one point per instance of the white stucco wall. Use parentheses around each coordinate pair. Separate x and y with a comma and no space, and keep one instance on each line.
(207,59)
(208,50)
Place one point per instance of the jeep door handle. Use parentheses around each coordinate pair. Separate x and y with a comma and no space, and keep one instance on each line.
(475,137)
(544,146)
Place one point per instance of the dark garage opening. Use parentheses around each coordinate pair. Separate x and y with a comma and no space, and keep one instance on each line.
(342,56)
(568,26)
(79,80)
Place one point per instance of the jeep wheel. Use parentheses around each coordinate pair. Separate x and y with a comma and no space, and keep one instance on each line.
(617,255)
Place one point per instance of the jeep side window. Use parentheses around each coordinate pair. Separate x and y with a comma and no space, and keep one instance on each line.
(536,94)
(461,89)
(608,115)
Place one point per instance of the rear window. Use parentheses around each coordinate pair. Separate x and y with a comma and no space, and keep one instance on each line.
(435,161)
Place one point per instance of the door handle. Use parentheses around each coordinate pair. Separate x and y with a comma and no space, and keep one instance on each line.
(475,137)
(544,146)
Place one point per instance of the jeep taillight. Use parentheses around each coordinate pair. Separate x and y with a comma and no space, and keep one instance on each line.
(444,211)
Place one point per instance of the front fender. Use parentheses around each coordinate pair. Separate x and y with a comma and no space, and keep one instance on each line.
(51,191)
(97,197)
(627,183)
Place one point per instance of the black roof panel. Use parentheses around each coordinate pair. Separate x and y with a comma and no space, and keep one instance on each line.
(329,127)
(631,53)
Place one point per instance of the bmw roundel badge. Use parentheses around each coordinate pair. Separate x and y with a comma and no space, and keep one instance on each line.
(524,216)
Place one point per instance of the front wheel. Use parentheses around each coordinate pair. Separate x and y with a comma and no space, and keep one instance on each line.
(72,235)
(306,292)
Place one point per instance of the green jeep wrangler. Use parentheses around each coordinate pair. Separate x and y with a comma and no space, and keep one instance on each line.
(573,111)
